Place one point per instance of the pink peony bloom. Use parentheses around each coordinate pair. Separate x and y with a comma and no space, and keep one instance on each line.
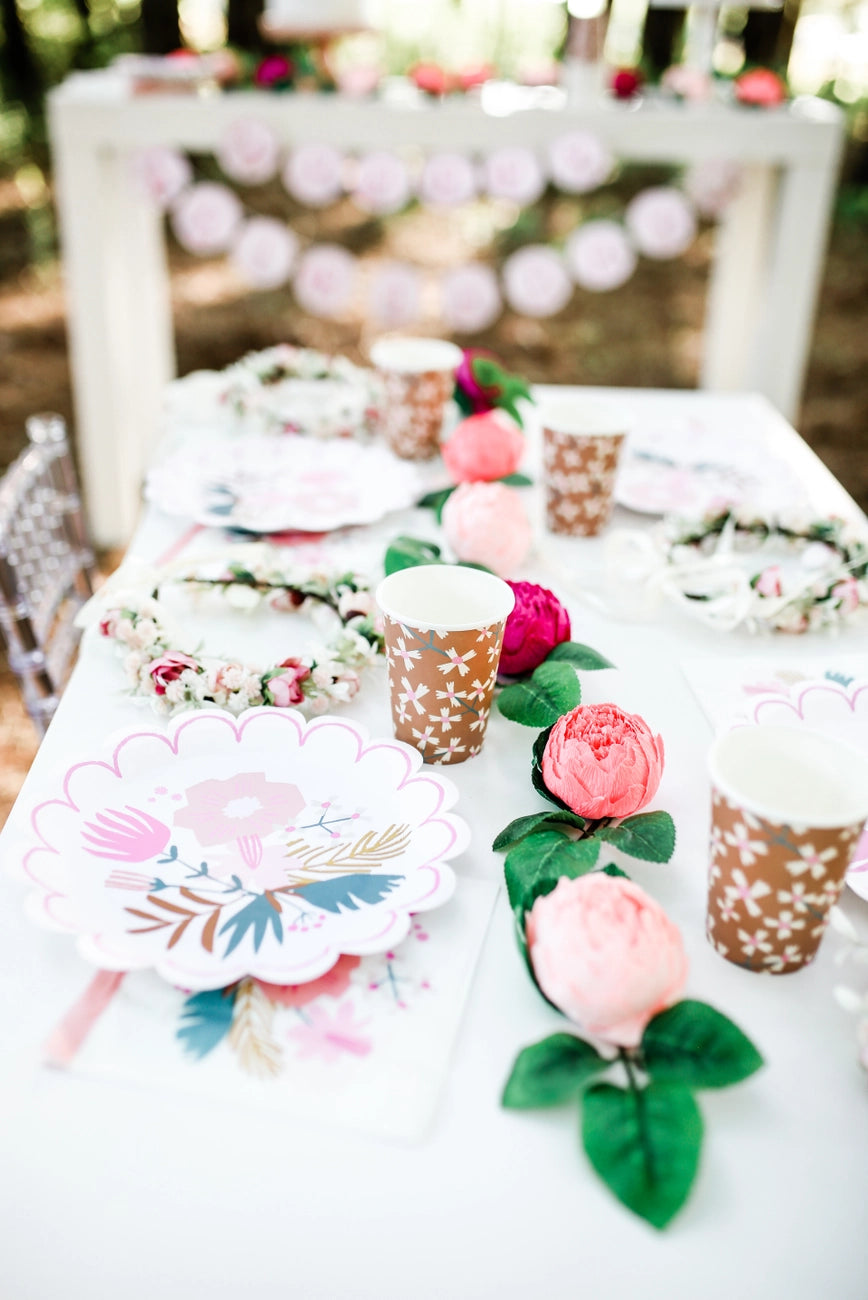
(602,762)
(486,523)
(168,668)
(760,88)
(283,689)
(483,447)
(607,955)
(335,982)
(537,624)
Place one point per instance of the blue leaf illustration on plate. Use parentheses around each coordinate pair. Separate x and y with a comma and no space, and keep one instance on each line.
(348,891)
(206,1018)
(220,499)
(259,913)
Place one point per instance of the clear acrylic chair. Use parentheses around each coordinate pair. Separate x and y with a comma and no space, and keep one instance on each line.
(46,565)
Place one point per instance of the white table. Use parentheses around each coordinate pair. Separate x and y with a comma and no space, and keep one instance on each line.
(769,251)
(110,1191)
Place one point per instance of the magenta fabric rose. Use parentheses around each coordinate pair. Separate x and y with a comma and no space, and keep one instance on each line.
(602,762)
(606,954)
(483,447)
(168,668)
(486,523)
(480,397)
(283,689)
(273,70)
(536,625)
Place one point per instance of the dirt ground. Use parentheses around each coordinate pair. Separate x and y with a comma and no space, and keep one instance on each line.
(648,334)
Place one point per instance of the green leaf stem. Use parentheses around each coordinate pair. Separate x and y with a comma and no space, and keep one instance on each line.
(535,865)
(522,826)
(406,552)
(644,1143)
(649,836)
(551,691)
(551,1072)
(580,656)
(692,1043)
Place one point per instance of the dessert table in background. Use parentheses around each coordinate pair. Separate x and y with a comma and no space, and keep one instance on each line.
(765,276)
(115,1189)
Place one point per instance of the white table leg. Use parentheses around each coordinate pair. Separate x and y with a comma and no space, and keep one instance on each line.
(737,288)
(120,325)
(780,355)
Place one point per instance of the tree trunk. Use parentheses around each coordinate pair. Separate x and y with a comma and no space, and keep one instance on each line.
(160,30)
(242,25)
(18,68)
(662,37)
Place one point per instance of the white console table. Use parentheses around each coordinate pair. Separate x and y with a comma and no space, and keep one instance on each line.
(769,253)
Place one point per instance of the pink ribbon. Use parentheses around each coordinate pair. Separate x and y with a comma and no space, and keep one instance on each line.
(67,1037)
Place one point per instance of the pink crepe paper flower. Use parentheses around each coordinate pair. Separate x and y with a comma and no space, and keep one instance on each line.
(607,955)
(335,982)
(486,523)
(483,447)
(168,668)
(273,71)
(283,688)
(626,82)
(481,398)
(602,762)
(218,812)
(537,624)
(129,836)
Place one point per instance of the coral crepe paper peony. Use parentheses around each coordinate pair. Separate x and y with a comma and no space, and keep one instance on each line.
(607,955)
(486,523)
(602,762)
(537,624)
(483,447)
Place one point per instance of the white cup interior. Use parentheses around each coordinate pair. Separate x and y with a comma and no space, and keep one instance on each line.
(415,356)
(583,417)
(792,775)
(448,597)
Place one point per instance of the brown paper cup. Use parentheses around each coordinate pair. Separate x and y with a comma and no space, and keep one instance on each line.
(582,443)
(444,634)
(418,378)
(788,806)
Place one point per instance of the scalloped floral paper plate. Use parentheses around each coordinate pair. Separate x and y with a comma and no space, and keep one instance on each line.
(266,484)
(837,709)
(260,845)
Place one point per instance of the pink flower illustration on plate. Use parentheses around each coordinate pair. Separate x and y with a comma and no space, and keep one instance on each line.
(219,811)
(129,836)
(327,1034)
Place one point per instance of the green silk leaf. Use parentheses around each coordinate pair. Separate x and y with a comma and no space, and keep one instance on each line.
(550,692)
(551,1072)
(406,552)
(644,1143)
(521,826)
(535,865)
(536,775)
(580,656)
(693,1044)
(436,501)
(649,836)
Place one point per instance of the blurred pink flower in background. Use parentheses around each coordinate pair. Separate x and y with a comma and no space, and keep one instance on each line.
(486,523)
(314,174)
(536,282)
(264,252)
(483,447)
(205,218)
(323,283)
(470,298)
(248,152)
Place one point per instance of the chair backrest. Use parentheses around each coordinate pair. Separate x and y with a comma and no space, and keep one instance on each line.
(46,565)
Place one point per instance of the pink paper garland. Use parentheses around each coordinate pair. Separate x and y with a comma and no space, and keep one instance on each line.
(323,283)
(206,217)
(313,174)
(264,253)
(535,281)
(249,152)
(470,298)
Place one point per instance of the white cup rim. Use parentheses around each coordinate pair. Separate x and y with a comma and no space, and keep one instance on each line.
(498,596)
(853,808)
(580,417)
(420,355)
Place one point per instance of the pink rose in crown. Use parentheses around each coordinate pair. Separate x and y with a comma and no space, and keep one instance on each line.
(483,447)
(486,523)
(607,955)
(602,762)
(760,88)
(770,581)
(537,624)
(168,668)
(283,689)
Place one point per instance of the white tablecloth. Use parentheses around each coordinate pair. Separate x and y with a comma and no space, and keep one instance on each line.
(112,1191)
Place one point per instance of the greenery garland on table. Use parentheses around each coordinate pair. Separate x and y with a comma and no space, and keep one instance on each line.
(598,948)
(177,677)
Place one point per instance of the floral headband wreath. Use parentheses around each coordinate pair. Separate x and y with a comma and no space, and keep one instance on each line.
(161,666)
